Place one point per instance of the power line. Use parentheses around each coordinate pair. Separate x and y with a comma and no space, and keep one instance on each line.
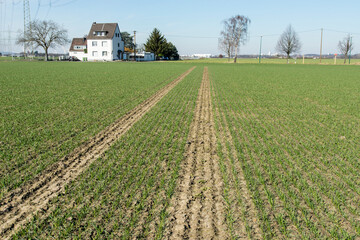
(279,34)
(64,4)
(37,10)
(250,36)
(55,3)
(47,14)
(186,36)
(338,31)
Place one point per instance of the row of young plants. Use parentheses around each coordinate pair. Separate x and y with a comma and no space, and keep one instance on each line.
(125,193)
(47,110)
(299,160)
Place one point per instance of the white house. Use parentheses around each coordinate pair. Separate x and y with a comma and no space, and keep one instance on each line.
(78,49)
(103,43)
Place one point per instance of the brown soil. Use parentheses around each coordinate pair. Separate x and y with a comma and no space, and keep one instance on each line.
(21,204)
(197,209)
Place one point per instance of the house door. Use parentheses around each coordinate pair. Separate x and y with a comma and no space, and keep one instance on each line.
(119,54)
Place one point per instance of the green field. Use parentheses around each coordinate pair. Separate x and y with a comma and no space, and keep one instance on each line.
(287,147)
(295,130)
(49,109)
(275,61)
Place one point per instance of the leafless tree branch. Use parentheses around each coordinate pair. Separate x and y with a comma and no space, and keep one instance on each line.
(346,46)
(45,34)
(234,34)
(289,42)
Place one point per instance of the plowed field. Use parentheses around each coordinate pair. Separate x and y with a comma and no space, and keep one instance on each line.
(179,151)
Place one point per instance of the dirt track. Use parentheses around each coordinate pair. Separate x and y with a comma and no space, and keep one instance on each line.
(21,204)
(197,208)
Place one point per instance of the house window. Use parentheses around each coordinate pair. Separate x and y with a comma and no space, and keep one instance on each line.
(104,53)
(118,44)
(104,43)
(94,53)
(94,43)
(100,33)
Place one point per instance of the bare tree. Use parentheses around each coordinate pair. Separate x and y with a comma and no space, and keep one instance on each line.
(235,33)
(44,34)
(345,46)
(225,44)
(289,42)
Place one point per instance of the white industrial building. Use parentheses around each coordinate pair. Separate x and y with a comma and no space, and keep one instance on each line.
(142,56)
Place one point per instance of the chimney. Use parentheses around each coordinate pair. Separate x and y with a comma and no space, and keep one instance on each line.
(94,23)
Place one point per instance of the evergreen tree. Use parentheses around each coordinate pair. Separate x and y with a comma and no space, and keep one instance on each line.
(156,43)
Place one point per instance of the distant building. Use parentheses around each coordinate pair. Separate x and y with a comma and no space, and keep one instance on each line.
(142,56)
(201,55)
(103,43)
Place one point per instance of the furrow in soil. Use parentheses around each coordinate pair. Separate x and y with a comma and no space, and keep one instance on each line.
(197,208)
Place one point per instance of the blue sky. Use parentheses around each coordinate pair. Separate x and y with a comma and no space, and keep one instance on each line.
(194,26)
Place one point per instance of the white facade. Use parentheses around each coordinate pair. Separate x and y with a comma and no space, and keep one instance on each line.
(143,56)
(106,49)
(100,50)
(82,56)
(104,43)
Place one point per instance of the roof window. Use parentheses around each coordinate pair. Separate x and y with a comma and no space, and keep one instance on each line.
(100,33)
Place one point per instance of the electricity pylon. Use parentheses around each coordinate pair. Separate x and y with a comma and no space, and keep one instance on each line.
(27,24)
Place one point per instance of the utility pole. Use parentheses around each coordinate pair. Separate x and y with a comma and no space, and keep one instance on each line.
(135,46)
(260,48)
(321,44)
(350,49)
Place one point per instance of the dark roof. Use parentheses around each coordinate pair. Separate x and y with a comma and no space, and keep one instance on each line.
(109,28)
(78,42)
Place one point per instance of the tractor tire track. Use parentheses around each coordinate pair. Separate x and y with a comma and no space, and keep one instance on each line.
(242,205)
(197,208)
(21,204)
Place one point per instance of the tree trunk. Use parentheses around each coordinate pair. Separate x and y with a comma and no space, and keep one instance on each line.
(235,57)
(288,58)
(345,57)
(46,55)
